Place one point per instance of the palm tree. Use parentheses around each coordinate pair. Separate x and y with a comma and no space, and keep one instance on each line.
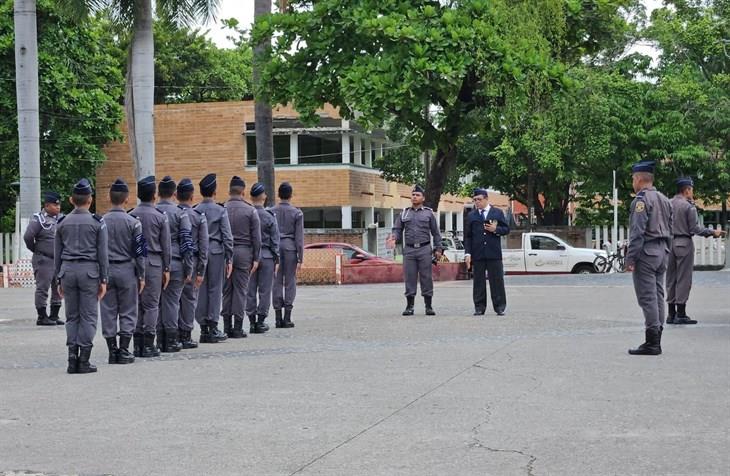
(264,117)
(26,87)
(138,15)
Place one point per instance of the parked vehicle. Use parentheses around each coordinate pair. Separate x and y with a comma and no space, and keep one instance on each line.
(545,253)
(453,248)
(351,253)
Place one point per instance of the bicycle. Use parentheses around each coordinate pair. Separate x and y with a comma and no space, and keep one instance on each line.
(615,261)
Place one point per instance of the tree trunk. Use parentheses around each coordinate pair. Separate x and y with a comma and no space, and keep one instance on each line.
(264,119)
(26,84)
(139,100)
(441,166)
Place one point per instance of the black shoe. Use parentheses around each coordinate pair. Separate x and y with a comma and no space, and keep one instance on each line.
(410,301)
(111,343)
(682,317)
(237,332)
(652,344)
(149,349)
(500,312)
(161,342)
(427,300)
(479,312)
(186,339)
(43,319)
(279,319)
(210,334)
(84,366)
(228,325)
(261,325)
(172,342)
(287,319)
(73,359)
(55,309)
(138,344)
(124,357)
(672,312)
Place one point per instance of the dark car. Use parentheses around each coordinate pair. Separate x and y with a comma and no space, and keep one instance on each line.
(352,253)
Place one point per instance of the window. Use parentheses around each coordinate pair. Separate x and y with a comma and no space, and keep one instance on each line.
(543,243)
(322,149)
(322,218)
(281,150)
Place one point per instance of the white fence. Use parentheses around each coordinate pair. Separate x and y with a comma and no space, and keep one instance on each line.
(710,252)
(9,251)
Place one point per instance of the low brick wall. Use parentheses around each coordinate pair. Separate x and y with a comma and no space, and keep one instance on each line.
(352,237)
(393,273)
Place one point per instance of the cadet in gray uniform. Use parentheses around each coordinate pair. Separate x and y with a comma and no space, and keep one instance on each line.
(181,266)
(199,243)
(650,238)
(81,268)
(246,230)
(127,256)
(414,227)
(220,255)
(682,254)
(156,230)
(263,279)
(291,246)
(39,238)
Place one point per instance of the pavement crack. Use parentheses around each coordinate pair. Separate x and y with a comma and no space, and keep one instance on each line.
(531,459)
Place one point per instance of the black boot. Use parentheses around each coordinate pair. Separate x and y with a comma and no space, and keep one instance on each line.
(138,344)
(672,312)
(84,366)
(279,319)
(682,317)
(653,344)
(210,334)
(410,301)
(228,325)
(260,325)
(43,319)
(287,319)
(111,343)
(427,300)
(186,339)
(55,309)
(73,359)
(149,349)
(161,343)
(252,324)
(124,357)
(237,332)
(172,343)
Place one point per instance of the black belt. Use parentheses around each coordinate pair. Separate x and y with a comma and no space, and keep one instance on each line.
(119,261)
(683,236)
(418,245)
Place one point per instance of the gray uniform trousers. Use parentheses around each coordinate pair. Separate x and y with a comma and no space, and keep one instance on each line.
(149,300)
(235,289)
(43,273)
(170,299)
(679,270)
(648,278)
(285,282)
(120,301)
(417,264)
(80,281)
(210,293)
(260,284)
(188,301)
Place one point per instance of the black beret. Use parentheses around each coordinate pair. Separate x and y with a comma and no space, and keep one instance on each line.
(685,182)
(167,184)
(237,181)
(119,185)
(83,187)
(643,166)
(208,184)
(52,197)
(146,185)
(257,189)
(418,189)
(185,185)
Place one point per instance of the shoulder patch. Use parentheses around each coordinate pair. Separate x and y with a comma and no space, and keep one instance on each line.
(60,219)
(640,207)
(198,212)
(98,218)
(428,208)
(164,213)
(271,212)
(641,194)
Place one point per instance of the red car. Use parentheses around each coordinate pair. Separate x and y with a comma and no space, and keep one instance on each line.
(352,253)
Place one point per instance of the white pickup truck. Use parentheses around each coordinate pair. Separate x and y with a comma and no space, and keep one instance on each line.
(453,248)
(546,253)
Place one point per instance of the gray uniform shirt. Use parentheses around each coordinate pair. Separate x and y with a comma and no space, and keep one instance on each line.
(82,236)
(220,238)
(650,225)
(269,233)
(156,230)
(126,241)
(180,234)
(245,225)
(685,222)
(416,226)
(291,228)
(40,233)
(199,237)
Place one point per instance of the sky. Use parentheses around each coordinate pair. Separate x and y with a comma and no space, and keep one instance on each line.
(242,10)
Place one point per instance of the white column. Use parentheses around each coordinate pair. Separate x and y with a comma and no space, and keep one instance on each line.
(369,216)
(346,149)
(358,150)
(389,218)
(346,217)
(459,222)
(368,159)
(449,221)
(294,149)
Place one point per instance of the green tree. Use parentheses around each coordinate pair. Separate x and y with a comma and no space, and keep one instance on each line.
(79,87)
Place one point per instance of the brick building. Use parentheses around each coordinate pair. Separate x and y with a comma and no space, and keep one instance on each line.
(329,165)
